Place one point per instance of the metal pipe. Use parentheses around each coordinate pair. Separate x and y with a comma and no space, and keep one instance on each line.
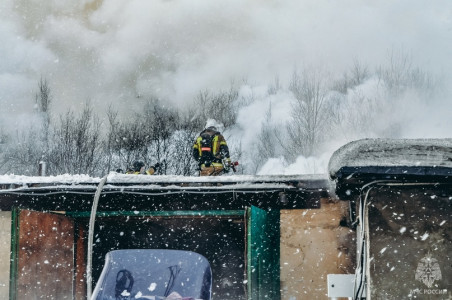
(42,168)
(89,277)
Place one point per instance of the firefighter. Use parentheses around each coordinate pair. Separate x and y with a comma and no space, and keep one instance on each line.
(138,167)
(211,152)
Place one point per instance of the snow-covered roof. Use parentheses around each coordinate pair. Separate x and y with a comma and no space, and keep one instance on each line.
(60,179)
(122,181)
(415,153)
(122,192)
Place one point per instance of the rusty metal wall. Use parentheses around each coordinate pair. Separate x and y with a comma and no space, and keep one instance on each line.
(45,253)
(410,243)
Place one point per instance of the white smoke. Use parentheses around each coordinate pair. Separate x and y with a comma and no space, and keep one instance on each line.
(124,52)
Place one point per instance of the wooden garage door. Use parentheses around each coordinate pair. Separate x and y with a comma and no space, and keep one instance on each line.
(42,256)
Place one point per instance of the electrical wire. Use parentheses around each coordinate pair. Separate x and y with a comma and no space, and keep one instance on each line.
(257,191)
(363,224)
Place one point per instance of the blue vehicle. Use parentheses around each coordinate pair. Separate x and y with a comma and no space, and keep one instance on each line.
(144,274)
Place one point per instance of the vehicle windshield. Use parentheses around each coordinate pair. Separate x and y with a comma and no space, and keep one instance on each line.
(154,274)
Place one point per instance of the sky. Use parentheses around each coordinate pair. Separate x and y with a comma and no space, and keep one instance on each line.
(123,52)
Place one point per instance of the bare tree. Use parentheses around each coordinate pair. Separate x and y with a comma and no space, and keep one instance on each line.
(268,142)
(182,163)
(353,116)
(21,154)
(355,77)
(358,113)
(220,106)
(125,141)
(400,74)
(4,141)
(75,144)
(156,134)
(309,114)
(160,123)
(25,148)
(274,87)
(44,100)
(43,97)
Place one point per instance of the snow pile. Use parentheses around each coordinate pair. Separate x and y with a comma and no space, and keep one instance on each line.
(116,178)
(61,179)
(392,152)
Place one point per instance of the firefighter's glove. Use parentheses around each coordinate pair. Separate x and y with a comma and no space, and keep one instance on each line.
(227,164)
(157,166)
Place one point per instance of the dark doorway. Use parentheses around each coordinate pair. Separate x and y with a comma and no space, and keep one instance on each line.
(220,238)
